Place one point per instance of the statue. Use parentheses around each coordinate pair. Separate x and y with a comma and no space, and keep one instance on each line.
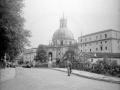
(50,62)
(5,64)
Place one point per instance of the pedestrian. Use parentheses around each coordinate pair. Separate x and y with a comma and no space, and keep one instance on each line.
(69,67)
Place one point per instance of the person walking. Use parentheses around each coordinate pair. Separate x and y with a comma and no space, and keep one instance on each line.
(69,67)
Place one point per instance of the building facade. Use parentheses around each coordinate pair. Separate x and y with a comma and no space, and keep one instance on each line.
(61,39)
(107,41)
(104,41)
(29,54)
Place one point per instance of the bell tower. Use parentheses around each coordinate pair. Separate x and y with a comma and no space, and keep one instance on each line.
(63,22)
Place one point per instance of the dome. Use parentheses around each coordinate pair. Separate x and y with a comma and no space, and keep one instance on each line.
(63,33)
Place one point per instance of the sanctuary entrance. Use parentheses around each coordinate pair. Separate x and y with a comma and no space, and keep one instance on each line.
(50,55)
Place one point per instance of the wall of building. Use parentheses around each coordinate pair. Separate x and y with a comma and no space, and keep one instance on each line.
(65,42)
(53,51)
(29,54)
(104,41)
(115,46)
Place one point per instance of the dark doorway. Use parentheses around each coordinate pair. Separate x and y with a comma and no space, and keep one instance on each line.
(50,55)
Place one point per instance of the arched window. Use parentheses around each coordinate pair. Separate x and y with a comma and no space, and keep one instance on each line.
(61,42)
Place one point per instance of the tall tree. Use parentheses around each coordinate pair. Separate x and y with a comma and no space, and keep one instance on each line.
(77,58)
(41,54)
(12,33)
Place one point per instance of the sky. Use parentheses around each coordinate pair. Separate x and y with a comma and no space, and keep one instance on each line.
(86,16)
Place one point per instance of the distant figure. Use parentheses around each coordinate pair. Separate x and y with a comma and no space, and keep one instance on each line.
(69,67)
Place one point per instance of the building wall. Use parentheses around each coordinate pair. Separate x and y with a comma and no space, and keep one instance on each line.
(53,51)
(116,46)
(60,52)
(29,54)
(65,42)
(104,41)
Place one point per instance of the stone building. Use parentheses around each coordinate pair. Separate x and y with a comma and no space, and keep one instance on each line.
(29,54)
(107,41)
(62,37)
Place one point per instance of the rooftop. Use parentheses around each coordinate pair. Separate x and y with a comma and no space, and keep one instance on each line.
(99,32)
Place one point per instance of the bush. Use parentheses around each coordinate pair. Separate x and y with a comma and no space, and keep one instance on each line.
(101,67)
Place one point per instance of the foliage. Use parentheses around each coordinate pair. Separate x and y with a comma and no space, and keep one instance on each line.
(80,61)
(103,67)
(20,61)
(41,55)
(12,33)
(44,65)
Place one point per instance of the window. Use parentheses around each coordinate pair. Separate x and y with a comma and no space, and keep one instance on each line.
(105,41)
(85,45)
(81,40)
(59,53)
(118,41)
(96,37)
(81,45)
(90,50)
(91,60)
(100,36)
(90,38)
(61,42)
(100,42)
(105,48)
(96,49)
(109,60)
(105,35)
(101,48)
(81,50)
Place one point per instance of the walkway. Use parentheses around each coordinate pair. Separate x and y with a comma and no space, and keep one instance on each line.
(91,75)
(47,79)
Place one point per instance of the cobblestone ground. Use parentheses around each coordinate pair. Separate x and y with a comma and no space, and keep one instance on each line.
(46,79)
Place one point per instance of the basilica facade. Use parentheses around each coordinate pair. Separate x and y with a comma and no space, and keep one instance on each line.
(61,39)
(97,45)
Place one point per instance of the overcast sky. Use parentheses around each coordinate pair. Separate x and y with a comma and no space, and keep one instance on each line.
(42,17)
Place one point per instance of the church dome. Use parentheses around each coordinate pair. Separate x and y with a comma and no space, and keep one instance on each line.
(63,33)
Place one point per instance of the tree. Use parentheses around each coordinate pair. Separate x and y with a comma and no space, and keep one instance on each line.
(12,33)
(41,55)
(79,59)
(71,54)
(20,61)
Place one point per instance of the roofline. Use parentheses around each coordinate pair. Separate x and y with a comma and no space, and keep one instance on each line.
(99,32)
(30,48)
